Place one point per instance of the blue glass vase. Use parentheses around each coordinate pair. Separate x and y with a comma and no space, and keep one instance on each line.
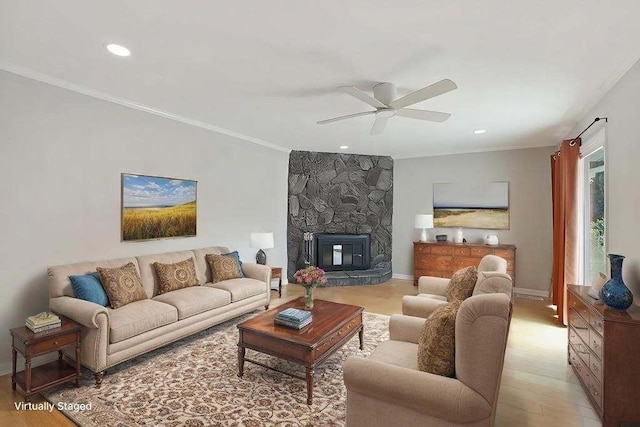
(615,293)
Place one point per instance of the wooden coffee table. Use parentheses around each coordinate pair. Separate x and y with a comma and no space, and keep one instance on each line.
(332,326)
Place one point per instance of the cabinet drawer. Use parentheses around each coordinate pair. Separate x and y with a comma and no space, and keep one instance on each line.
(421,249)
(504,253)
(442,263)
(578,306)
(580,348)
(595,366)
(511,264)
(442,250)
(480,252)
(463,262)
(578,366)
(595,390)
(596,322)
(51,344)
(595,342)
(580,325)
(461,251)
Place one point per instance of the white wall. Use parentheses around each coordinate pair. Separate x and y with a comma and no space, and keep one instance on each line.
(61,155)
(622,156)
(529,175)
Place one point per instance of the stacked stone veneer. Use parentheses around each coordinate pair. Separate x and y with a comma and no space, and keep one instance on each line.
(341,193)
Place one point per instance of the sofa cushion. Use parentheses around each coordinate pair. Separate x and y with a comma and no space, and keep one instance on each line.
(172,277)
(223,267)
(240,288)
(398,353)
(89,288)
(195,300)
(462,284)
(139,317)
(122,285)
(436,346)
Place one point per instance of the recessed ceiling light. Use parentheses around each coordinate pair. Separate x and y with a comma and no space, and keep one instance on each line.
(344,147)
(480,131)
(116,49)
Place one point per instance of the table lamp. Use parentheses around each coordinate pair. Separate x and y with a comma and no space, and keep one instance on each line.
(261,241)
(424,221)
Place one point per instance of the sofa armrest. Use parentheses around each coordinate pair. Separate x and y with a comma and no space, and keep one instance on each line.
(419,306)
(257,271)
(405,328)
(438,396)
(84,312)
(433,285)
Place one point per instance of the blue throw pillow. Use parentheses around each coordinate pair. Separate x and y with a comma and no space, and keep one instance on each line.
(89,288)
(236,255)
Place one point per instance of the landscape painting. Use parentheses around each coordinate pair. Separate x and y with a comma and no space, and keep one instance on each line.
(155,207)
(471,205)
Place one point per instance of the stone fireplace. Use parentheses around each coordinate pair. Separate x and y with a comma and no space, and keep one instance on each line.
(345,195)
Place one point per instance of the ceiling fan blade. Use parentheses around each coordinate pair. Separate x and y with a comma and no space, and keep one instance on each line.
(348,116)
(362,96)
(432,116)
(443,86)
(379,125)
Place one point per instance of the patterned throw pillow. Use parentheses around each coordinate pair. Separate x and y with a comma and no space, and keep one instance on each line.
(176,276)
(236,255)
(123,284)
(462,283)
(223,267)
(436,346)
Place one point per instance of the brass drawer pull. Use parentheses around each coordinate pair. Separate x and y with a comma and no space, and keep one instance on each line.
(55,343)
(595,344)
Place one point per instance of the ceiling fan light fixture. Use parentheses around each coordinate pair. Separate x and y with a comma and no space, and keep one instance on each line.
(480,131)
(118,50)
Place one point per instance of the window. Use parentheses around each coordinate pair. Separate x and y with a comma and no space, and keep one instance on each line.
(593,223)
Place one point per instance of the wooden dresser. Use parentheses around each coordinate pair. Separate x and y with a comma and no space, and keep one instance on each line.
(444,259)
(604,351)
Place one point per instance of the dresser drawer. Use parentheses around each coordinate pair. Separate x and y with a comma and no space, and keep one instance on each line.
(595,366)
(433,273)
(578,366)
(53,343)
(595,342)
(442,250)
(442,263)
(580,348)
(511,265)
(480,252)
(578,306)
(463,262)
(422,249)
(596,322)
(580,325)
(595,390)
(461,251)
(503,253)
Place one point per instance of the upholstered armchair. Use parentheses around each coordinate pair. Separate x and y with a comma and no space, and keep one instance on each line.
(387,389)
(492,278)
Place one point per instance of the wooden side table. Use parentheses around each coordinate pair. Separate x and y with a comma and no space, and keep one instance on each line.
(30,345)
(276,273)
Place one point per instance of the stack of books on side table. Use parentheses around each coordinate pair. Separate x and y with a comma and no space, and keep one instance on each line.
(43,322)
(293,318)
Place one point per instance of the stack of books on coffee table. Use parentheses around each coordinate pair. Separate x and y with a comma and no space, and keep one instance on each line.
(293,318)
(43,322)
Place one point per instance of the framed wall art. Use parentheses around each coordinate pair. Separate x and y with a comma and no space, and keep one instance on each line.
(471,205)
(155,207)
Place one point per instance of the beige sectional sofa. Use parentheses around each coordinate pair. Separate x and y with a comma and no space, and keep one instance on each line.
(111,336)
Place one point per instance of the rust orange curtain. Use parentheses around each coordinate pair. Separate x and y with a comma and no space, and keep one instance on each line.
(564,182)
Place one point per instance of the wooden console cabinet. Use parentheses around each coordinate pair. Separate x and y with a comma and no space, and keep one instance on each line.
(444,259)
(604,352)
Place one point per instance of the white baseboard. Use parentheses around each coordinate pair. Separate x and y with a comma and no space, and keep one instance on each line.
(402,276)
(533,292)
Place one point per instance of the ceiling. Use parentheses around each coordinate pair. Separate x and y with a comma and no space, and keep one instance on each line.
(269,70)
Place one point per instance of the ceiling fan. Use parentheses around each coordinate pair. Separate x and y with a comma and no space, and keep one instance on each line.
(386,105)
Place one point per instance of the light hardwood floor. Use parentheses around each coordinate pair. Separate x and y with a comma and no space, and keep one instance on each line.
(538,387)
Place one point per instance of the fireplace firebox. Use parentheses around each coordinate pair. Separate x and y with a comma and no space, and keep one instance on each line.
(340,252)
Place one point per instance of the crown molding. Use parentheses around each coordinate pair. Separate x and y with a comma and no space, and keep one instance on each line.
(55,81)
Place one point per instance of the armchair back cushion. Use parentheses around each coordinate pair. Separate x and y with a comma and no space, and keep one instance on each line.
(436,347)
(493,263)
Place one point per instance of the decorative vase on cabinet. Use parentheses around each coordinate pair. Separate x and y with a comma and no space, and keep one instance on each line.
(615,293)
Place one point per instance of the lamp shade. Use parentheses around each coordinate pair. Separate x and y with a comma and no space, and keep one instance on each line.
(424,221)
(262,240)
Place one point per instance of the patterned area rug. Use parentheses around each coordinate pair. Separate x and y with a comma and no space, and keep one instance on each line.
(194,382)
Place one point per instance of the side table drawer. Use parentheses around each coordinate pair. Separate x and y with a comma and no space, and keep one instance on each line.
(51,344)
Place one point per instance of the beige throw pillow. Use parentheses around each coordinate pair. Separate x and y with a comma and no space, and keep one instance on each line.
(436,346)
(223,267)
(462,283)
(176,276)
(122,284)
